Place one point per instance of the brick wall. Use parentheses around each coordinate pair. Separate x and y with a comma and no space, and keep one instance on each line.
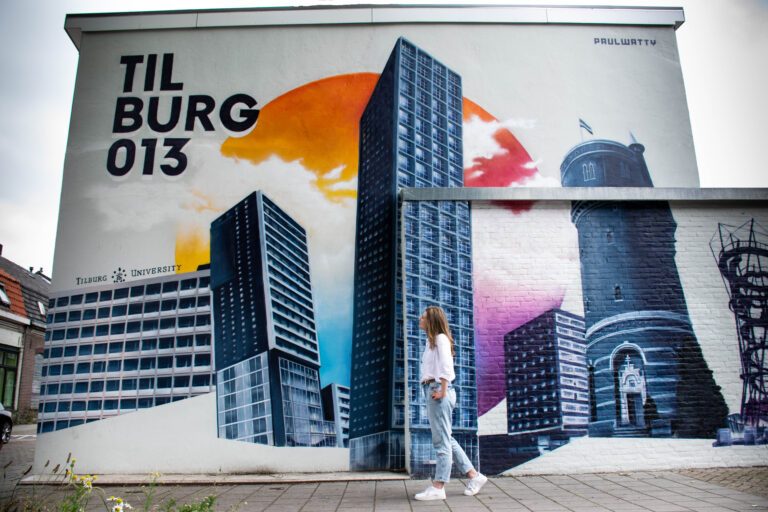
(29,387)
(663,357)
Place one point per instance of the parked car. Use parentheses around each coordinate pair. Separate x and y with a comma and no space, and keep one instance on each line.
(6,424)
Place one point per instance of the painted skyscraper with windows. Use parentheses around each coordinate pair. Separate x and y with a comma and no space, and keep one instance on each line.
(336,407)
(546,389)
(547,379)
(266,347)
(410,136)
(650,377)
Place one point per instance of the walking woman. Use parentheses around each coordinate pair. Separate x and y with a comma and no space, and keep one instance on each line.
(436,377)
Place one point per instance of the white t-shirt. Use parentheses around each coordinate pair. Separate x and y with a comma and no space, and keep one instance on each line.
(437,363)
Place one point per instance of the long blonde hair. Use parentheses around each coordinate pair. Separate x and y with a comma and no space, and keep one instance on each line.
(436,323)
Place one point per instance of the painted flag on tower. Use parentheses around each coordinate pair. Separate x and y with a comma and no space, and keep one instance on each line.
(583,124)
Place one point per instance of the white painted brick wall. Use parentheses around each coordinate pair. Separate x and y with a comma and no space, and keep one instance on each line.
(604,455)
(526,262)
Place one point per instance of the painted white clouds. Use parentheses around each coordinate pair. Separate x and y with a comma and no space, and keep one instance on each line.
(480,143)
(215,184)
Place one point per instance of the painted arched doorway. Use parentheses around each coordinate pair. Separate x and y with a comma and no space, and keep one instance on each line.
(631,392)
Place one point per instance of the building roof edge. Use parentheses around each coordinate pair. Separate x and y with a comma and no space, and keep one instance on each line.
(759,195)
(76,24)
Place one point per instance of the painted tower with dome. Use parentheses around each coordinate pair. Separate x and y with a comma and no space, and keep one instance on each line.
(648,373)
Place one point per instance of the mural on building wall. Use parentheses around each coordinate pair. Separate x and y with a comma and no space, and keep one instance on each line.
(632,365)
(282,281)
(268,365)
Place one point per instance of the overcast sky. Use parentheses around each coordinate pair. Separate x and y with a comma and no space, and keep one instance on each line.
(723,49)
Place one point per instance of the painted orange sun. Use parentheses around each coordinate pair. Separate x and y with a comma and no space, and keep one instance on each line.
(317,125)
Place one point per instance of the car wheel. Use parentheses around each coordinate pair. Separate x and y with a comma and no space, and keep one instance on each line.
(5,432)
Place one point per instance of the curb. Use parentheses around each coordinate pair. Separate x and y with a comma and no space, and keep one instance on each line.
(226,479)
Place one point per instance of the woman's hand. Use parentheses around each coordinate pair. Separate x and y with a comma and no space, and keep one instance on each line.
(438,394)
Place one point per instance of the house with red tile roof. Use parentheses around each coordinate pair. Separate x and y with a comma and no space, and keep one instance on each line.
(23,305)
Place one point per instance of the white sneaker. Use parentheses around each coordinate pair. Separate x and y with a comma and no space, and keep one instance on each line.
(475,484)
(431,493)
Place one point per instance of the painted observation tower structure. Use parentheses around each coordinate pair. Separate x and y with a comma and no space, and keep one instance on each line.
(742,256)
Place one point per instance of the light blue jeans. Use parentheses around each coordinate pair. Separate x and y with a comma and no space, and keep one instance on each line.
(447,449)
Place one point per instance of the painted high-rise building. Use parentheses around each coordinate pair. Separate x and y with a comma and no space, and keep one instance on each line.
(121,347)
(266,347)
(546,390)
(649,374)
(547,377)
(336,407)
(410,136)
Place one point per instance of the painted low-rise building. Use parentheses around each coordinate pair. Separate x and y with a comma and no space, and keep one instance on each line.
(118,348)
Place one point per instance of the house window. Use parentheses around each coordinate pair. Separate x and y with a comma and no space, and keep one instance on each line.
(4,296)
(617,293)
(9,362)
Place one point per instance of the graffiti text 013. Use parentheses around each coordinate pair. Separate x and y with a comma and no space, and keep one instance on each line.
(237,113)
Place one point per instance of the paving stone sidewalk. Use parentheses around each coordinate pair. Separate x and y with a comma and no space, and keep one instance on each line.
(700,490)
(629,492)
(749,480)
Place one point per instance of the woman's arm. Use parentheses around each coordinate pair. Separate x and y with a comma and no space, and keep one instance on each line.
(439,394)
(443,387)
(445,363)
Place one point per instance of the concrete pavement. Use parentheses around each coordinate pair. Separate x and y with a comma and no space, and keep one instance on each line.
(633,492)
(702,490)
